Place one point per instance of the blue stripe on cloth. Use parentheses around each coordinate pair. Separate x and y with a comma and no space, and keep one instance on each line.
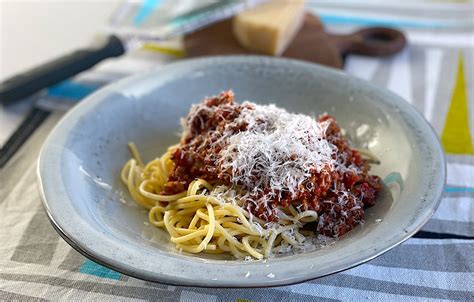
(72,91)
(449,189)
(91,268)
(364,21)
(146,10)
(394,177)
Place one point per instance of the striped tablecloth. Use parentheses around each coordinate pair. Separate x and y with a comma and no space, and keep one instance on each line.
(435,74)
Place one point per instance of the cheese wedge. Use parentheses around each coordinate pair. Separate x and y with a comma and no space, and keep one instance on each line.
(270,27)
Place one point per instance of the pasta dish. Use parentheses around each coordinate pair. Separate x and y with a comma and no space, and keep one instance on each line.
(253,180)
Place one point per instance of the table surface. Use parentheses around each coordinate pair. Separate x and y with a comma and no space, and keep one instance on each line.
(434,74)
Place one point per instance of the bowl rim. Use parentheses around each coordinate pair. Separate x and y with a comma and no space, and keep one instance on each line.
(46,159)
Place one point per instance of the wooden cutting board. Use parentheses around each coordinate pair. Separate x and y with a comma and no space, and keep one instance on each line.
(311,43)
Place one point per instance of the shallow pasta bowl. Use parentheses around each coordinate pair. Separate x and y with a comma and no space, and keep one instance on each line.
(79,166)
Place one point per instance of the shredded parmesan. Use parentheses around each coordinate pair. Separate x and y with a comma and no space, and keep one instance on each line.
(279,147)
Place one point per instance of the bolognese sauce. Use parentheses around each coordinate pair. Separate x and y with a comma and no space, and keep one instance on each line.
(338,187)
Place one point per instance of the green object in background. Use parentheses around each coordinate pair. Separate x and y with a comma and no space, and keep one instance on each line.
(456,136)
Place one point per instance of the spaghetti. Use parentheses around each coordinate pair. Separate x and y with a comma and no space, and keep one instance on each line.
(213,195)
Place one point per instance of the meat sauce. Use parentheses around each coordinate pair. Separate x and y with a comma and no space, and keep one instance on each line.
(338,195)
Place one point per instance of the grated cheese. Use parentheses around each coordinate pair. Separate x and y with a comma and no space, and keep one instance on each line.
(279,147)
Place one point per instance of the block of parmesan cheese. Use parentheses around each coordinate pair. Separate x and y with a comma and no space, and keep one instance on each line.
(270,27)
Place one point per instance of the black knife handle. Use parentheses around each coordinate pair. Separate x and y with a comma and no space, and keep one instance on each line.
(32,121)
(29,82)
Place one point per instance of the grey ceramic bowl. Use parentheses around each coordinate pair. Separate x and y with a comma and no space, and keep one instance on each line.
(79,166)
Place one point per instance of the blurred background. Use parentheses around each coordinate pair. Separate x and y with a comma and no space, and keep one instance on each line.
(34,31)
(440,34)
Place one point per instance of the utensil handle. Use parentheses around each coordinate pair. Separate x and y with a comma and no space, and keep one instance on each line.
(55,71)
(372,41)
